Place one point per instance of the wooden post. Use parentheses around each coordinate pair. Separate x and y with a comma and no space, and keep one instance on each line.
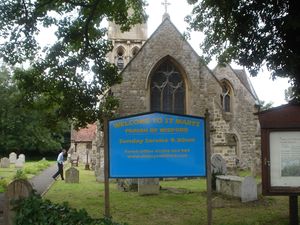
(106,178)
(208,169)
(293,203)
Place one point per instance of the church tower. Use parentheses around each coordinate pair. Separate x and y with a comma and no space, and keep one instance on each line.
(126,44)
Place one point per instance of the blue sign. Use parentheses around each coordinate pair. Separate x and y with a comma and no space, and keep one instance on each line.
(157,145)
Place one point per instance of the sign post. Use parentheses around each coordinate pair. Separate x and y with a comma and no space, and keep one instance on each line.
(293,203)
(106,175)
(208,169)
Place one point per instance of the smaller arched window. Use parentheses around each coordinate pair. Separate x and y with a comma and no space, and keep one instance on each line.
(226,97)
(135,51)
(120,58)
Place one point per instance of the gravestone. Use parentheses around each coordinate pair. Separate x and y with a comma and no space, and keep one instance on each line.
(148,186)
(4,163)
(12,157)
(248,189)
(19,163)
(218,164)
(16,190)
(22,158)
(72,175)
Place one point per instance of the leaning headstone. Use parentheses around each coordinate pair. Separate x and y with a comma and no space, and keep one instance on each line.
(22,158)
(12,157)
(19,163)
(148,186)
(16,190)
(72,175)
(248,189)
(218,164)
(4,163)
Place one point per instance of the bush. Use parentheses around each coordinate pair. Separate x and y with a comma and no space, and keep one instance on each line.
(20,174)
(35,210)
(3,185)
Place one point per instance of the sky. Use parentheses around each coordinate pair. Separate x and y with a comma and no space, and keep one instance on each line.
(266,89)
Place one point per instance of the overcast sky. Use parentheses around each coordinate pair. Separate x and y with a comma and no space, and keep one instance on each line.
(266,89)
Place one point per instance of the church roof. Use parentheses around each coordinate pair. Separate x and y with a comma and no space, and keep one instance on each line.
(167,22)
(241,74)
(85,134)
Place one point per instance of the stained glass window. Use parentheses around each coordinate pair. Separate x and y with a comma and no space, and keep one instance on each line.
(167,89)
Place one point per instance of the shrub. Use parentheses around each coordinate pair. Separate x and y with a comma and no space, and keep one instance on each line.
(20,174)
(35,210)
(3,185)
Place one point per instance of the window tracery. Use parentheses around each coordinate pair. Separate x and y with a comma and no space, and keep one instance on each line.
(167,89)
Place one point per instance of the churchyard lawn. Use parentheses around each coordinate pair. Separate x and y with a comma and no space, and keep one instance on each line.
(181,202)
(30,169)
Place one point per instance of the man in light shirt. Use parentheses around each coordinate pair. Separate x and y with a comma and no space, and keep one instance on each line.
(60,165)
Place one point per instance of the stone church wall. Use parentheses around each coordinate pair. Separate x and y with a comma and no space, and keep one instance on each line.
(203,90)
(241,121)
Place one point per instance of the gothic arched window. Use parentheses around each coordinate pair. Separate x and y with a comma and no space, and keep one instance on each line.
(120,58)
(134,51)
(167,89)
(226,97)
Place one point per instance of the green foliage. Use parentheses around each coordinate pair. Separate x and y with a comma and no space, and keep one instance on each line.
(27,125)
(253,33)
(20,174)
(3,185)
(35,210)
(264,106)
(81,46)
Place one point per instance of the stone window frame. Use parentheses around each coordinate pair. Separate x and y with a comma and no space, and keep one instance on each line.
(120,57)
(182,73)
(226,97)
(89,145)
(134,50)
(233,140)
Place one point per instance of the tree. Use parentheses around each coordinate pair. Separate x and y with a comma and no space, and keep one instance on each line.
(253,33)
(81,48)
(288,94)
(27,127)
(265,105)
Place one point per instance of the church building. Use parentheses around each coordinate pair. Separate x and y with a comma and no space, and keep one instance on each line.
(164,73)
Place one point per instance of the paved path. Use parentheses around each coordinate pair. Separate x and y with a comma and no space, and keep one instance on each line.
(41,183)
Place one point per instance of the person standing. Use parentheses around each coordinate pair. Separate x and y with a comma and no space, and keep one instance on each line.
(60,165)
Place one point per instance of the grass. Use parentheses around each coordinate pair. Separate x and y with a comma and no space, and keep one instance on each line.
(30,169)
(181,202)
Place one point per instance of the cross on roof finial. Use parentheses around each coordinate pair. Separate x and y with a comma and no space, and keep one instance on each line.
(166,3)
